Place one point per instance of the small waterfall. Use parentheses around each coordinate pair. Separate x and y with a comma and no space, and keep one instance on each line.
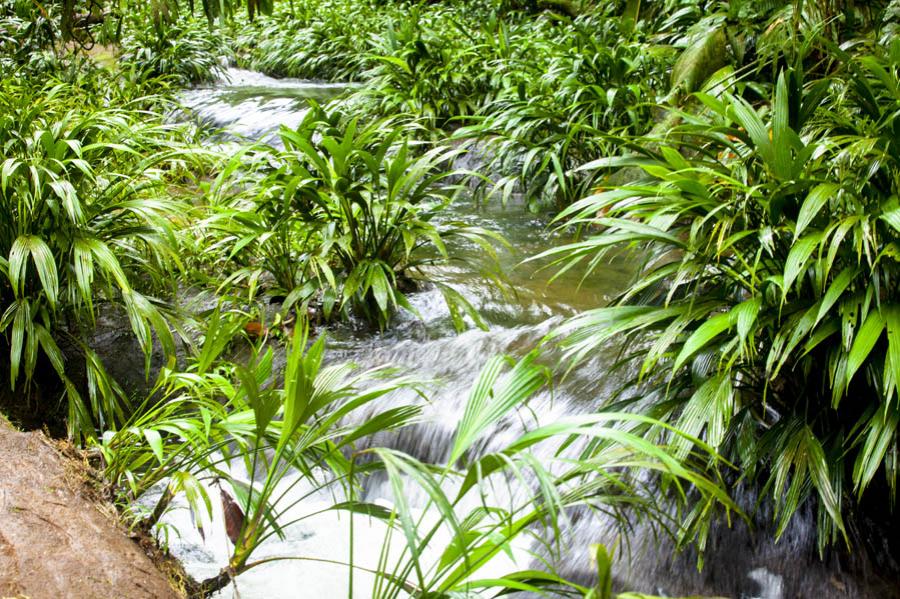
(250,105)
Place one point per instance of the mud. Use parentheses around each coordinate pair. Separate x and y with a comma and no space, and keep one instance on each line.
(57,537)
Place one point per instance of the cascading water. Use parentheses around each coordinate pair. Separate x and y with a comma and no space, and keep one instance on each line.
(250,105)
(739,564)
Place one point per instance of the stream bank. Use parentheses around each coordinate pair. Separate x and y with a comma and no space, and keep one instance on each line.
(58,537)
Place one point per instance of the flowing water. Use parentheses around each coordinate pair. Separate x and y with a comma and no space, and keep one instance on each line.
(740,564)
(249,105)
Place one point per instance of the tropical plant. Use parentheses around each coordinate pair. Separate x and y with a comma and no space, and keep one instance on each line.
(430,64)
(209,422)
(743,155)
(323,40)
(343,217)
(83,231)
(590,81)
(763,308)
(28,34)
(186,51)
(78,21)
(480,504)
(219,418)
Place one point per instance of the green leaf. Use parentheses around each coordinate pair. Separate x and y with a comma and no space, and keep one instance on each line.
(865,340)
(154,440)
(603,588)
(835,290)
(21,328)
(818,471)
(711,406)
(396,61)
(369,509)
(880,435)
(890,213)
(491,398)
(781,133)
(892,363)
(744,316)
(458,305)
(798,257)
(699,339)
(380,286)
(45,265)
(817,197)
(744,114)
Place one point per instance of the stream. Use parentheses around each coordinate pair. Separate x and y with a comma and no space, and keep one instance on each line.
(740,564)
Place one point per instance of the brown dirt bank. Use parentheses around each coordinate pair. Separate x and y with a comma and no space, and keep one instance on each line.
(56,538)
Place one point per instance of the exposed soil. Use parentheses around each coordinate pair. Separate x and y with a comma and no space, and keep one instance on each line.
(57,537)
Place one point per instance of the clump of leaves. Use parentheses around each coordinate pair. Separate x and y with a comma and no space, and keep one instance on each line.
(765,309)
(302,428)
(345,217)
(185,51)
(320,40)
(84,227)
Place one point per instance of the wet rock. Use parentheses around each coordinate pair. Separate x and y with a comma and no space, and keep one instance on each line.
(122,356)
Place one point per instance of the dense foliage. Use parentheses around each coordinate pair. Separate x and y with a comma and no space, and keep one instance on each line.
(767,280)
(87,225)
(341,218)
(217,415)
(185,51)
(742,156)
(532,92)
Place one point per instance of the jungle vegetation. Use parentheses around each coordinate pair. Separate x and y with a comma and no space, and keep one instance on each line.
(744,155)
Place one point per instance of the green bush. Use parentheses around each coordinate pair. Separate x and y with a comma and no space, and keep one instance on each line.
(83,227)
(28,38)
(765,309)
(186,51)
(312,427)
(574,85)
(343,217)
(535,93)
(324,40)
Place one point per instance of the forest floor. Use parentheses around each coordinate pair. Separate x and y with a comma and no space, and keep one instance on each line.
(58,537)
